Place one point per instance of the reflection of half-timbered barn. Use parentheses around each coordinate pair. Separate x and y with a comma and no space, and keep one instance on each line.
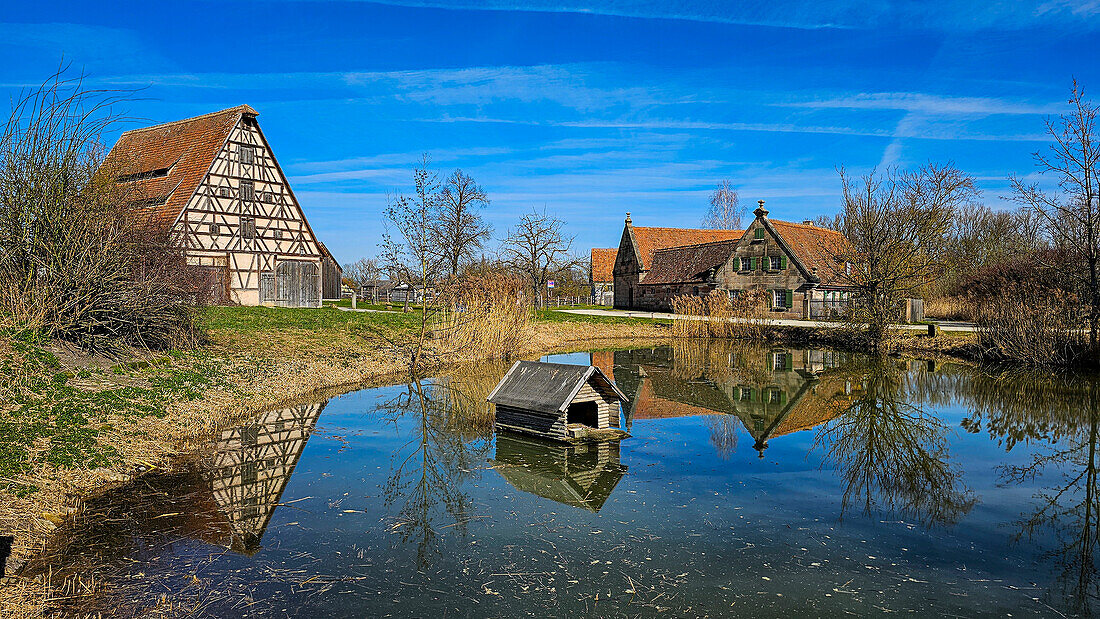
(252,465)
(215,181)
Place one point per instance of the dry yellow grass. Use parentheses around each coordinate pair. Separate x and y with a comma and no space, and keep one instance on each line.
(716,315)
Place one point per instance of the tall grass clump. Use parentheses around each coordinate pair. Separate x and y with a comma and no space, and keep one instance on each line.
(717,315)
(487,314)
(79,260)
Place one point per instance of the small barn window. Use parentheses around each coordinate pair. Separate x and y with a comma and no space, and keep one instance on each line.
(780,298)
(277,233)
(775,396)
(759,233)
(223,192)
(248,190)
(215,230)
(248,227)
(247,153)
(777,263)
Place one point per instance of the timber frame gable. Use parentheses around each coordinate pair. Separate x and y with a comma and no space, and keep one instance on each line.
(231,210)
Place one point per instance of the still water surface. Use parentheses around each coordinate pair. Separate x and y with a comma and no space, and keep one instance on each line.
(757,482)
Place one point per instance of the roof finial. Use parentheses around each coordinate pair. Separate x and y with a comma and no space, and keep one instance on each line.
(760,210)
(628,218)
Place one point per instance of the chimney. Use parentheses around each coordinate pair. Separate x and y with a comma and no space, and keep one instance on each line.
(807,222)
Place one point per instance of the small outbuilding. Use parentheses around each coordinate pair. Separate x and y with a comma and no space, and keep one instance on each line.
(558,401)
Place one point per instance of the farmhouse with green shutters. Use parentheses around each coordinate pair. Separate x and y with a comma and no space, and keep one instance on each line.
(792,262)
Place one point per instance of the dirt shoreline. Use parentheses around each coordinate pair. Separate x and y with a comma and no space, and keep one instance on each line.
(256,383)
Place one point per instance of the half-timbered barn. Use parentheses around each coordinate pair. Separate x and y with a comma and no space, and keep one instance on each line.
(557,401)
(215,182)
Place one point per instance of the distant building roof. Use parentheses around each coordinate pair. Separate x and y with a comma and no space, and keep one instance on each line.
(545,387)
(603,263)
(649,240)
(165,163)
(688,264)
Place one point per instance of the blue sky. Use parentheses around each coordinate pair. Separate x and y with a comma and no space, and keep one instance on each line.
(590,109)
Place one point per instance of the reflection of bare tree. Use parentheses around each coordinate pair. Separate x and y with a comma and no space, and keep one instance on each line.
(1071,508)
(430,468)
(892,453)
(723,434)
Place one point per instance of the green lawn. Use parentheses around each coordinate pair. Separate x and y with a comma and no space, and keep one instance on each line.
(251,319)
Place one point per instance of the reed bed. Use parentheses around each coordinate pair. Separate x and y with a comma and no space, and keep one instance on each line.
(489,315)
(949,308)
(717,315)
(1032,332)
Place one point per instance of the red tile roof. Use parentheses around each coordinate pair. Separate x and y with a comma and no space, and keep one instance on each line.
(603,263)
(688,264)
(812,246)
(649,240)
(185,147)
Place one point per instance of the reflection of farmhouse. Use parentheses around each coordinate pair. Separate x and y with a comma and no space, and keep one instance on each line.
(581,475)
(790,390)
(251,468)
(557,401)
(215,181)
(791,262)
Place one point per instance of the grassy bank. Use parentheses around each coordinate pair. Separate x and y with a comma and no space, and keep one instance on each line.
(73,425)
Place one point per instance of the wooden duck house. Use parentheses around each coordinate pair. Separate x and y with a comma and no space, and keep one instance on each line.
(558,401)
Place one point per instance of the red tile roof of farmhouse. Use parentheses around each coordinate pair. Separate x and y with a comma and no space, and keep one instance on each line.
(649,240)
(813,246)
(186,148)
(603,263)
(688,264)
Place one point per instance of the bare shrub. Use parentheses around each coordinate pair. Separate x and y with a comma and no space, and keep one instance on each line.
(488,314)
(1034,331)
(717,315)
(77,260)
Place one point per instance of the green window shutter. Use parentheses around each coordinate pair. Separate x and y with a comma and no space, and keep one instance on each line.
(759,233)
(788,362)
(736,264)
(752,395)
(783,261)
(752,264)
(783,398)
(790,298)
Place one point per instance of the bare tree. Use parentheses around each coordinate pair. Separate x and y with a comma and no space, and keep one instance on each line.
(894,225)
(725,211)
(411,256)
(536,247)
(460,231)
(1071,216)
(365,272)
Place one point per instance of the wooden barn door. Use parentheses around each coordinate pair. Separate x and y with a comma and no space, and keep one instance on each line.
(297,284)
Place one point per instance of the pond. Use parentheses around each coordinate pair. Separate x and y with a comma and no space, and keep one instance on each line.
(757,481)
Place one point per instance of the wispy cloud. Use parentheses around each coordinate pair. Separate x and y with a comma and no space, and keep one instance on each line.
(929,104)
(965,15)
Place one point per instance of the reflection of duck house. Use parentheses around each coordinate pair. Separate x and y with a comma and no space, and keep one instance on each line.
(252,466)
(581,475)
(558,401)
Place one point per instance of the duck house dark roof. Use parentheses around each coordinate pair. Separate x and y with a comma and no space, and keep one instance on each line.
(546,387)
